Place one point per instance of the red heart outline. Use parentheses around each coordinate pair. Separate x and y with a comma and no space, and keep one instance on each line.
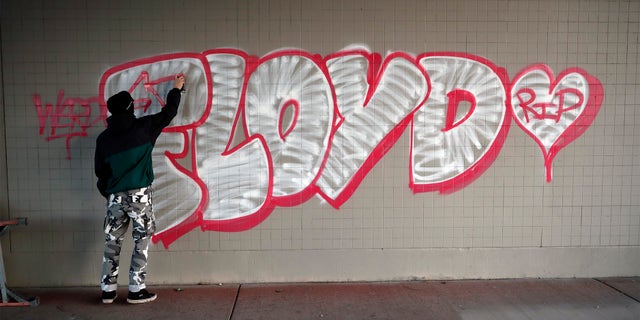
(578,126)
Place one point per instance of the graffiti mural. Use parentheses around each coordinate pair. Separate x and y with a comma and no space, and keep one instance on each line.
(253,133)
(70,118)
(555,112)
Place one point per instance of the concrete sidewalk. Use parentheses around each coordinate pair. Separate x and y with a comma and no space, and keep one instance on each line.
(609,298)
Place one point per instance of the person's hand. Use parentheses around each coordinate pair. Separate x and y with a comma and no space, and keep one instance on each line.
(178,82)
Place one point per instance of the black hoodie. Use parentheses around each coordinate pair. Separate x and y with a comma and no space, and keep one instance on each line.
(123,149)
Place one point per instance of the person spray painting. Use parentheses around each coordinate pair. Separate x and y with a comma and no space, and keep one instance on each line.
(125,174)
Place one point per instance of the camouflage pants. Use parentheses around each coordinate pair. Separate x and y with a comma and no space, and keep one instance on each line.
(122,207)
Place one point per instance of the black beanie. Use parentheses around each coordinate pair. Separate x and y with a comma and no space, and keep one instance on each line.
(119,102)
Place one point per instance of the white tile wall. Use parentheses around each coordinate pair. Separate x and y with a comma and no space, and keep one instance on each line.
(593,201)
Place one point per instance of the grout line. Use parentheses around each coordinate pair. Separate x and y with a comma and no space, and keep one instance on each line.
(235,302)
(618,290)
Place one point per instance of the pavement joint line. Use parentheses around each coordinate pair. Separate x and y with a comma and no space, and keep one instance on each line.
(618,290)
(235,301)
